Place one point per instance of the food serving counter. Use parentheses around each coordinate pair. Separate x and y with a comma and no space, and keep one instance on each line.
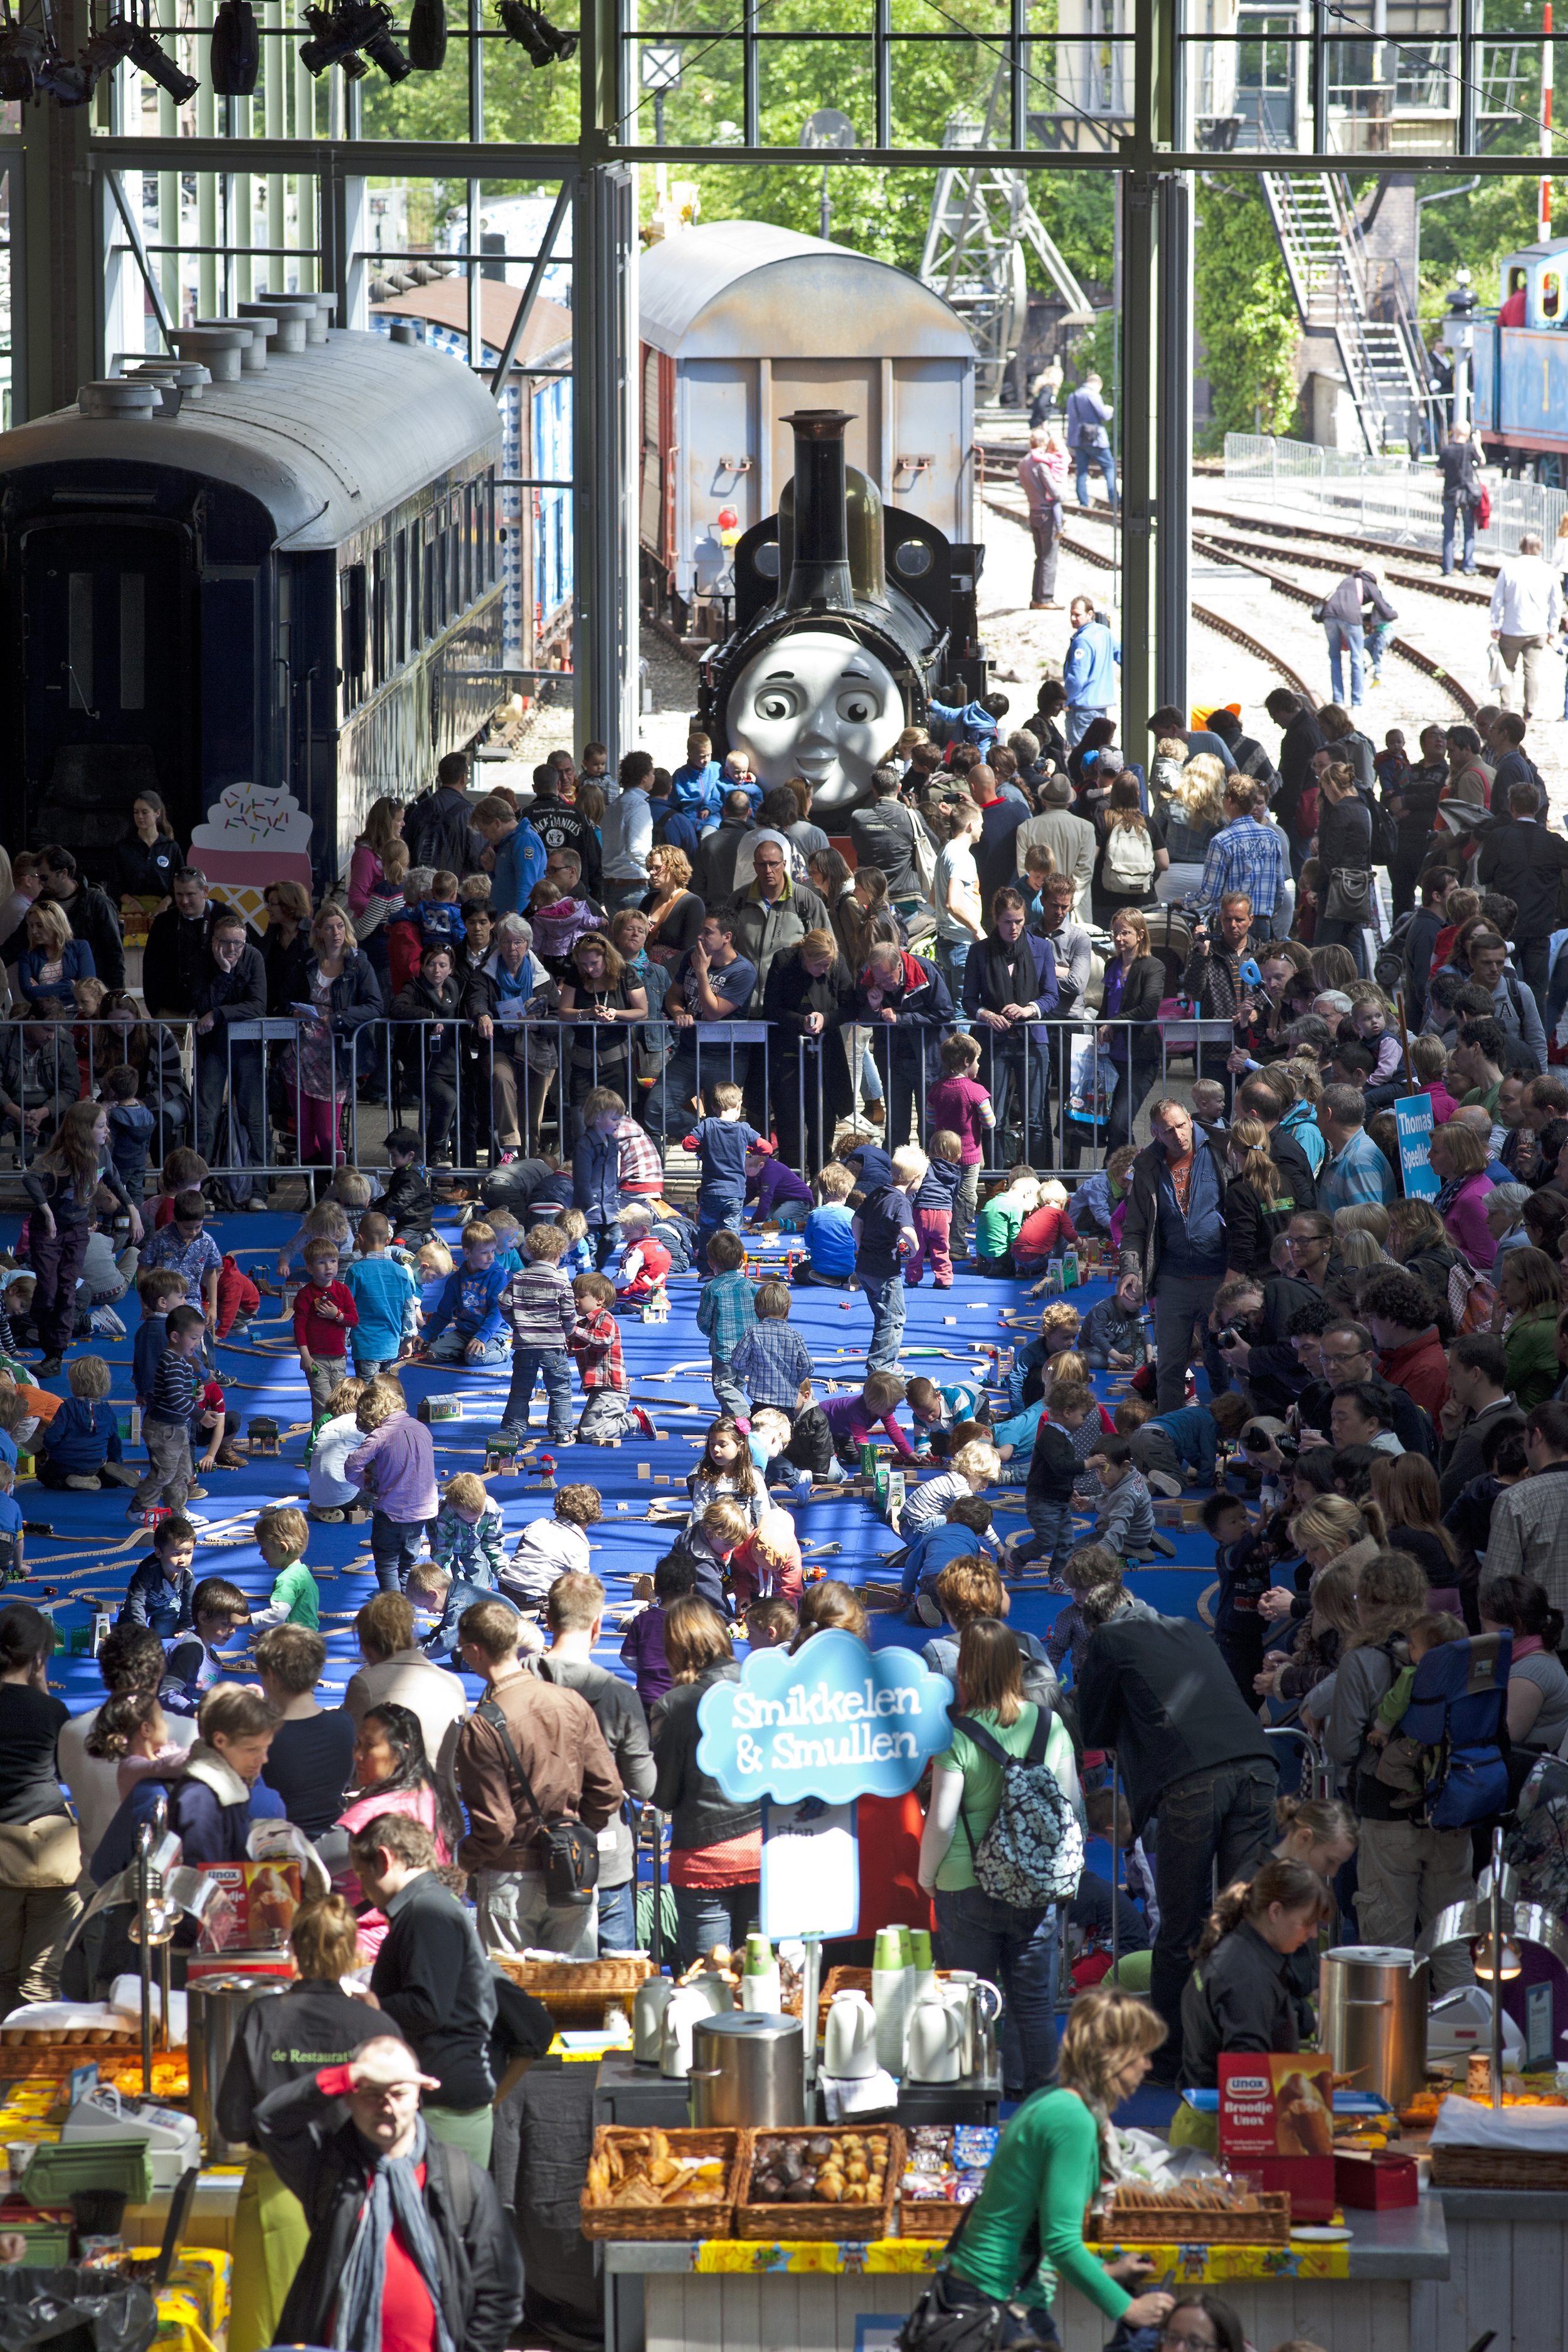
(1358,2295)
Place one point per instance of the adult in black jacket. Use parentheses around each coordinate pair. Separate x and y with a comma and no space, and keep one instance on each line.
(427,1056)
(883,835)
(903,999)
(1256,1098)
(232,989)
(91,915)
(1173,1236)
(1420,938)
(713,868)
(1188,1747)
(1523,862)
(1257,1208)
(147,860)
(1251,759)
(338,2158)
(1458,461)
(559,826)
(1010,985)
(178,951)
(1413,806)
(1134,990)
(1345,846)
(700,1815)
(809,997)
(439,831)
(1303,735)
(431,1975)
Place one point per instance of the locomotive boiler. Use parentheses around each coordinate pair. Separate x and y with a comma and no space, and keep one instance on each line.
(851,619)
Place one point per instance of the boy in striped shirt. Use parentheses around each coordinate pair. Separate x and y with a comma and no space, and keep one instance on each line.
(166,1425)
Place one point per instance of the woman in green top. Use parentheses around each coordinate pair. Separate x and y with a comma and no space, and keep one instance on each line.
(1025,2230)
(1527,1312)
(1014,1947)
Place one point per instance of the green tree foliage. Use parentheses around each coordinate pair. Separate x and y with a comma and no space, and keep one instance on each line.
(1244,314)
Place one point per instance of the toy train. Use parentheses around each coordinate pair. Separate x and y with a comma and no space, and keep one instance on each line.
(1521,369)
(267,599)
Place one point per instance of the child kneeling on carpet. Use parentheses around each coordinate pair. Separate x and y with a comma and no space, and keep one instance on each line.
(217,1609)
(1124,1522)
(973,1467)
(829,1232)
(552,1547)
(433,1588)
(768,1562)
(468,1538)
(595,1344)
(334,1497)
(81,1444)
(159,1592)
(709,1543)
(962,1532)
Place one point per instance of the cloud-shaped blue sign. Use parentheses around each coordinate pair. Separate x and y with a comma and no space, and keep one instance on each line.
(836,1720)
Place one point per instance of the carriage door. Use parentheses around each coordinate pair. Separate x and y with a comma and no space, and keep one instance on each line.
(109,670)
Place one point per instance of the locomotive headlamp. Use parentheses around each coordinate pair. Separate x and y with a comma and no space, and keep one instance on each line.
(235,49)
(545,43)
(122,37)
(338,36)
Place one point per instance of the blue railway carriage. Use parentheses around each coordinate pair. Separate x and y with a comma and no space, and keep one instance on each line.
(289,581)
(1522,367)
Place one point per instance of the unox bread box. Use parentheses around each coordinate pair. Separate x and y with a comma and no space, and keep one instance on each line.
(1277,2119)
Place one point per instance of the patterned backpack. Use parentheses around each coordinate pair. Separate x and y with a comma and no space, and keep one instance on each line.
(1032,1853)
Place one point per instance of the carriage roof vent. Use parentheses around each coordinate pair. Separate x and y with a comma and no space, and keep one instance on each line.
(120,396)
(217,348)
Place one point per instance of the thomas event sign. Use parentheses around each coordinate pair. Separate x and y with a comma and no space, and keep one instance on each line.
(836,1720)
(1413,1114)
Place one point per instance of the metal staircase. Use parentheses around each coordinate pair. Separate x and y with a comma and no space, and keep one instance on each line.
(1364,304)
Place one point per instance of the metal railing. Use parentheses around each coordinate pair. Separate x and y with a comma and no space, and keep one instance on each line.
(261,1100)
(1383,497)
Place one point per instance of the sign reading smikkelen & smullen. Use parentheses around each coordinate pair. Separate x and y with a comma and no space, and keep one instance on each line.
(836,1720)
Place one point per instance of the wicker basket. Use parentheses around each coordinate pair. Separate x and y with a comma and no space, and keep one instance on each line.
(576,1993)
(666,2223)
(1163,2221)
(819,2221)
(1491,2168)
(929,2217)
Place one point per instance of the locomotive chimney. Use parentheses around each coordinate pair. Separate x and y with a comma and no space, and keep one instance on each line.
(819,571)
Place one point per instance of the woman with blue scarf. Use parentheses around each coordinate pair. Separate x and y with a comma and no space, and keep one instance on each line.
(409,2246)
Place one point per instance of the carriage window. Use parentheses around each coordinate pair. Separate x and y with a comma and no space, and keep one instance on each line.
(352,596)
(1551,294)
(79,640)
(400,590)
(133,641)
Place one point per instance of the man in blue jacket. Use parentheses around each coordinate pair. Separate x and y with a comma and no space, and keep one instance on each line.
(1087,418)
(1090,671)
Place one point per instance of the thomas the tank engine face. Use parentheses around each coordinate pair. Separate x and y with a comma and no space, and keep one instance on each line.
(815,704)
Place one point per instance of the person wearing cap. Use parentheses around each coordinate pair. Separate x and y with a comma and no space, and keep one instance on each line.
(1069,838)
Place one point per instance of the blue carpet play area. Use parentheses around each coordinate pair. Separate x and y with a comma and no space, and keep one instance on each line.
(86,1561)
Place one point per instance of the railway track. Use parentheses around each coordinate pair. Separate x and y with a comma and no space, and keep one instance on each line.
(1225,551)
(1458,591)
(1211,620)
(1284,586)
(1002,456)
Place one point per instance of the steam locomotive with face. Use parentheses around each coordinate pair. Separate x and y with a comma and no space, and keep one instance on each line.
(746,329)
(851,619)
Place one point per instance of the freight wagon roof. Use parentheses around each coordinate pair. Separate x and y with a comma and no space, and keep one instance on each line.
(327,439)
(745,289)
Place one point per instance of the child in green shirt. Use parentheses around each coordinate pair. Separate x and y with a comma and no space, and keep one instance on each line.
(282,1535)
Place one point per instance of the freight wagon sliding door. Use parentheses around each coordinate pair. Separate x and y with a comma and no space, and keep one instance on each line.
(718,460)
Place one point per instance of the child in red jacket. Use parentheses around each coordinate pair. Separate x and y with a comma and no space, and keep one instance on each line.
(642,1261)
(324,1315)
(768,1564)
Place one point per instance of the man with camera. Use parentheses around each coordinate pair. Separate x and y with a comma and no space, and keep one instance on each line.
(530,1755)
(1222,982)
